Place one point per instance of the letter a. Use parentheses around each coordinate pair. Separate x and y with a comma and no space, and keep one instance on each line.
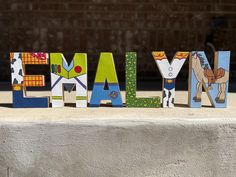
(106,72)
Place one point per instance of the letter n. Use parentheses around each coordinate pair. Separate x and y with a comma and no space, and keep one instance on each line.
(215,82)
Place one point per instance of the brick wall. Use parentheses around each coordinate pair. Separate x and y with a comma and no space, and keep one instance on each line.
(93,26)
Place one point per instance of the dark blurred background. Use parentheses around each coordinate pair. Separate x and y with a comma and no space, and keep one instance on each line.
(117,26)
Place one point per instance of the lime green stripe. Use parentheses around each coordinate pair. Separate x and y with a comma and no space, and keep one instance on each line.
(106,69)
(81,98)
(57,97)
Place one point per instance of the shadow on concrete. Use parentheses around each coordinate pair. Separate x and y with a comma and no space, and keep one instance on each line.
(186,106)
(6,105)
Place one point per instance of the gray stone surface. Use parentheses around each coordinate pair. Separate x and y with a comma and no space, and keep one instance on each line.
(106,142)
(114,148)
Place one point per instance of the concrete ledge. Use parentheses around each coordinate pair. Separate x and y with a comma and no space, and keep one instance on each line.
(72,142)
(104,148)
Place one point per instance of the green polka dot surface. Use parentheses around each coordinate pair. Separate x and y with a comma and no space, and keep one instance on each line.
(131,100)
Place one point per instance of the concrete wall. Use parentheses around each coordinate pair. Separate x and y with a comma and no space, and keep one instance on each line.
(119,148)
(118,142)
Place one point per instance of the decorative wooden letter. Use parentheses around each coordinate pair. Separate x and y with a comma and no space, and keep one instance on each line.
(214,82)
(20,81)
(68,76)
(169,74)
(131,100)
(106,72)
